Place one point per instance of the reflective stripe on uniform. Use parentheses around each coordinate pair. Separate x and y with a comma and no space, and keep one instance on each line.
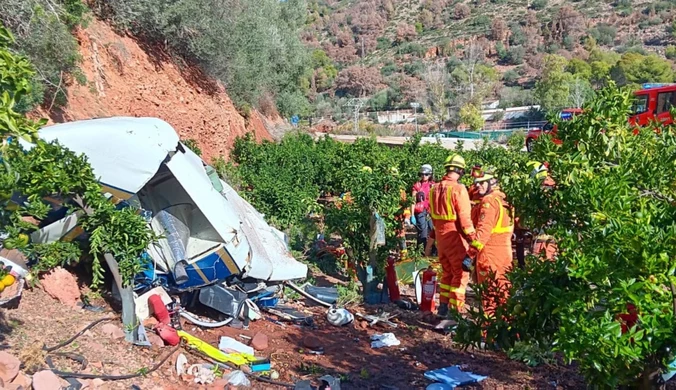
(444,286)
(457,290)
(498,226)
(450,213)
(445,294)
(456,303)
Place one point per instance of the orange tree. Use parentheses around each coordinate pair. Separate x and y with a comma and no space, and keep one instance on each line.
(613,212)
(48,170)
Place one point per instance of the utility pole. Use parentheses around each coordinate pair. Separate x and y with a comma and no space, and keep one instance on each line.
(356,104)
(415,106)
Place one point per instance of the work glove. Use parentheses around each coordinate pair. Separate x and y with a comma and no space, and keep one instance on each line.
(413,220)
(467,264)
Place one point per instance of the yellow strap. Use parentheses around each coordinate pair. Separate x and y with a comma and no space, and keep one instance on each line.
(457,290)
(445,294)
(444,286)
(213,352)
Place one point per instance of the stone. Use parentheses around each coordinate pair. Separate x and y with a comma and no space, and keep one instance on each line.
(96,383)
(9,367)
(312,342)
(62,286)
(150,322)
(46,380)
(112,331)
(22,381)
(155,340)
(260,342)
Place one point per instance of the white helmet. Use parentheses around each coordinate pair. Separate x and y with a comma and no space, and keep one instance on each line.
(426,168)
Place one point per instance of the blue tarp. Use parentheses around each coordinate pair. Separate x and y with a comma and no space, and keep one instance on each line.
(453,376)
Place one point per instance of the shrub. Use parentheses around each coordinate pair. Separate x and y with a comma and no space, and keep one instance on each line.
(511,77)
(604,34)
(383,43)
(388,69)
(414,68)
(501,51)
(43,34)
(515,55)
(255,50)
(518,37)
(670,52)
(413,48)
(538,4)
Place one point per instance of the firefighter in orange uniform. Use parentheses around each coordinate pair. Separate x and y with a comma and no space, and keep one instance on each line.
(450,210)
(491,250)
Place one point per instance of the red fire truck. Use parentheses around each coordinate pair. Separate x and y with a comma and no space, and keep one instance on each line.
(652,102)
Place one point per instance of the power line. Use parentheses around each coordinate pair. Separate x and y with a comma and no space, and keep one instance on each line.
(356,104)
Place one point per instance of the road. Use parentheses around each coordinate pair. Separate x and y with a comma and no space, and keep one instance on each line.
(448,143)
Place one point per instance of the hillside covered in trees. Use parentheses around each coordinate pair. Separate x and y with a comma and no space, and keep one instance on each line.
(459,53)
(309,57)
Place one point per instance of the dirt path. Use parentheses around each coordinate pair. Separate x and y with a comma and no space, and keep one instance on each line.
(347,352)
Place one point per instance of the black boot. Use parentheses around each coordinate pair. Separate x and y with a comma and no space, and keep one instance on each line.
(443,310)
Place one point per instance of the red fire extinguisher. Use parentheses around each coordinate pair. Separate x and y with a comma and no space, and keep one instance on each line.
(391,276)
(429,289)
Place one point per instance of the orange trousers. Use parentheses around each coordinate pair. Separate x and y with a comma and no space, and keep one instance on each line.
(495,259)
(452,247)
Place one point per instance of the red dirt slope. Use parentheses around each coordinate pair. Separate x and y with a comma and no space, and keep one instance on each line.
(125,79)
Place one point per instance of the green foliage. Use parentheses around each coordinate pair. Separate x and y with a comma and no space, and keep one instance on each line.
(470,115)
(49,171)
(515,55)
(670,52)
(383,43)
(538,4)
(612,212)
(48,256)
(44,35)
(388,69)
(511,77)
(579,68)
(553,90)
(253,47)
(517,37)
(191,143)
(604,34)
(635,68)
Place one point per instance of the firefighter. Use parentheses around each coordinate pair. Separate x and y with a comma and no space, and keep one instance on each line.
(474,196)
(543,244)
(450,210)
(420,209)
(491,250)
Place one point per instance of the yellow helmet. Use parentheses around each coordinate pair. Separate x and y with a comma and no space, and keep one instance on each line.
(540,170)
(487,174)
(454,161)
